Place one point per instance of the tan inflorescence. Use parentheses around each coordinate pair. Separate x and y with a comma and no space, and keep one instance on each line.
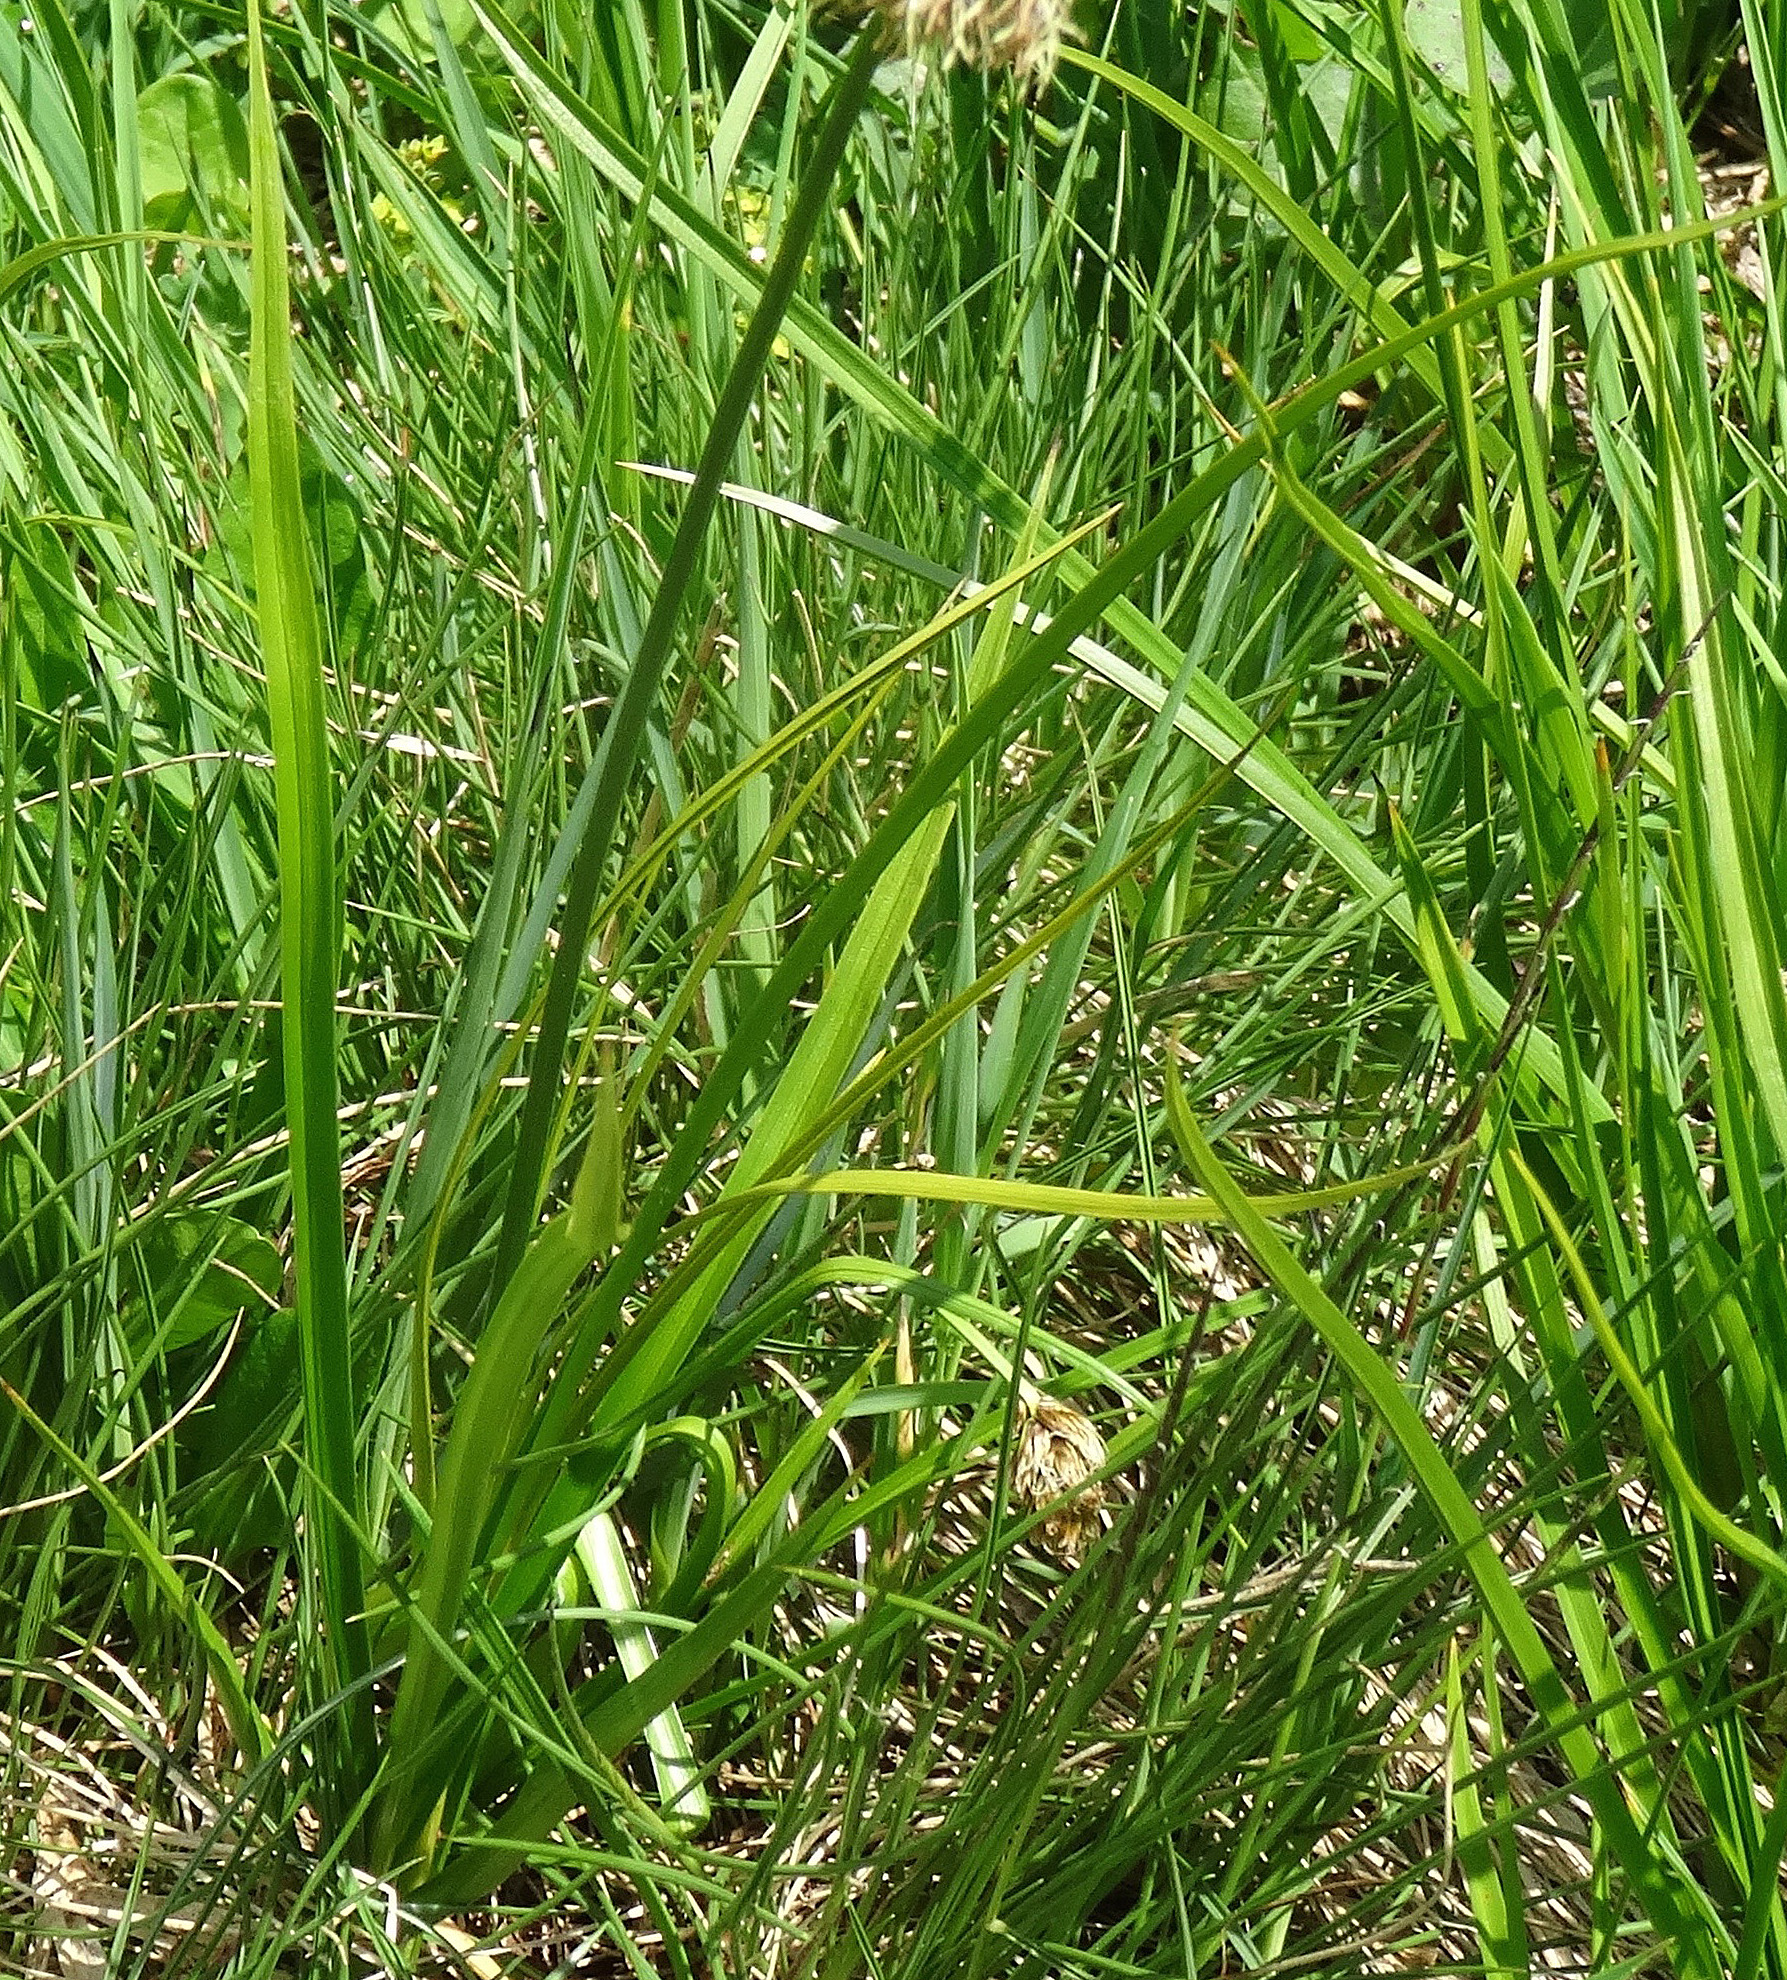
(1058,1450)
(1024,36)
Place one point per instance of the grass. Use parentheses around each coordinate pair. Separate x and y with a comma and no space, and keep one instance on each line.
(892,1042)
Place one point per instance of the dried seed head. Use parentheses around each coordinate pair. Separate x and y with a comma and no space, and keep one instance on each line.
(1024,36)
(1058,1449)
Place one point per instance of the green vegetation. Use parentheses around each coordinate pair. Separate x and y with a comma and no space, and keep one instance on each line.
(893,1056)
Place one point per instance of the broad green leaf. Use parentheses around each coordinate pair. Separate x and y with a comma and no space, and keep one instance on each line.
(193,145)
(202,1271)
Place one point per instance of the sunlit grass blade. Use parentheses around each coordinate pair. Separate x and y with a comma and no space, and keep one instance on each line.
(1497,1901)
(682,1792)
(310,939)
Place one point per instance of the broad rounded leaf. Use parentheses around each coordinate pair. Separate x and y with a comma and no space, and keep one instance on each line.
(194,148)
(202,1271)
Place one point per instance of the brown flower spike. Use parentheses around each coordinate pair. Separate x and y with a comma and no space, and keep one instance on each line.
(1058,1450)
(1024,36)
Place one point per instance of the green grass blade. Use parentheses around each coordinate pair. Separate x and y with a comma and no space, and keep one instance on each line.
(1675,1912)
(249,1729)
(310,942)
(618,751)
